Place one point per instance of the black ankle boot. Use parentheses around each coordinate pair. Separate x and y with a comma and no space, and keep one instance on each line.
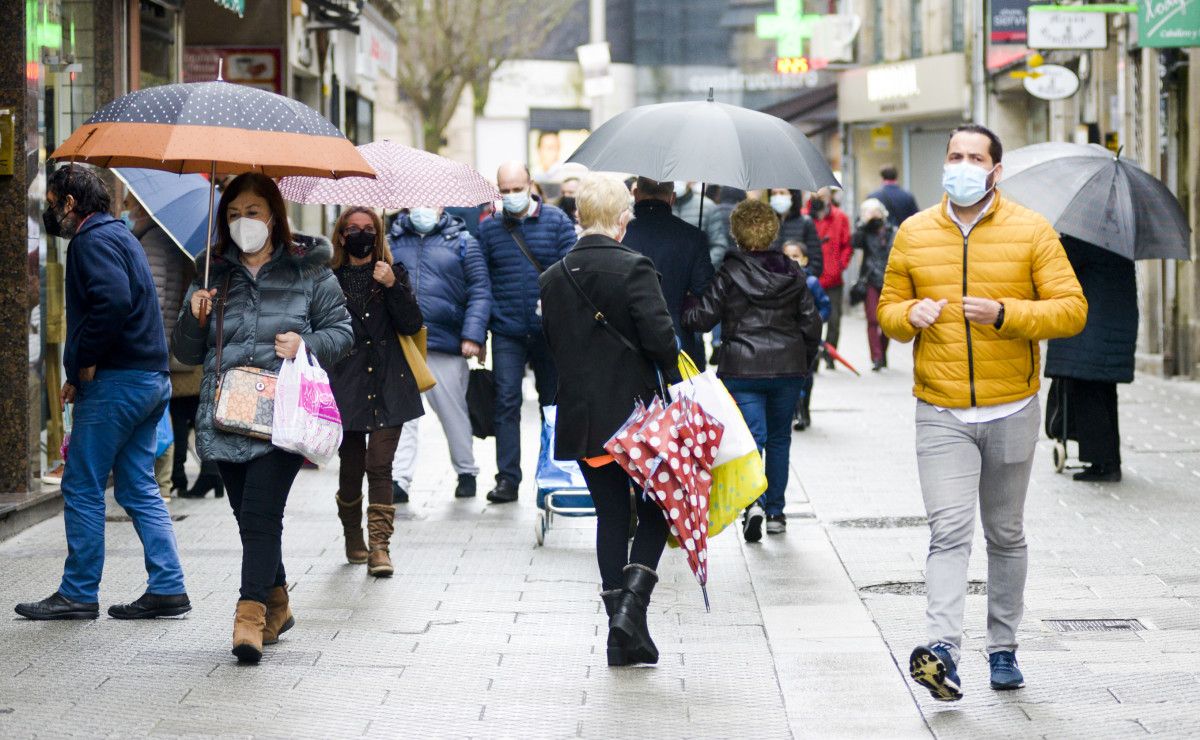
(616,653)
(205,483)
(628,623)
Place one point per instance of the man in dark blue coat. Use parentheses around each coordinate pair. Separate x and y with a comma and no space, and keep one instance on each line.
(450,278)
(1086,368)
(899,202)
(517,340)
(679,251)
(117,378)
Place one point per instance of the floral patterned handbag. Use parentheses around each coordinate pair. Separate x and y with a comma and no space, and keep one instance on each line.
(245,400)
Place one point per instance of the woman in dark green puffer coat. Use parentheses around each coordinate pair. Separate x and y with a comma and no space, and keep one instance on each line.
(278,292)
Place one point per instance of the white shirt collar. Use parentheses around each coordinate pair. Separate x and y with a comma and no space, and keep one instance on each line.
(966,228)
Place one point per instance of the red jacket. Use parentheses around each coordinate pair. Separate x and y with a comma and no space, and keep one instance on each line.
(834,230)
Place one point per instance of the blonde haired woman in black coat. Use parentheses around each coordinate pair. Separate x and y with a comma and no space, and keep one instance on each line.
(603,370)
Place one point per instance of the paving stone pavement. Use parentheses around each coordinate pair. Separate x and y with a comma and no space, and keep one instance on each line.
(483,634)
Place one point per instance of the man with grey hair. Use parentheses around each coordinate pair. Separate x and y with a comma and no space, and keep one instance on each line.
(522,238)
(679,251)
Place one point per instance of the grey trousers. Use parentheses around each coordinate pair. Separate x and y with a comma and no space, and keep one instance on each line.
(449,401)
(960,464)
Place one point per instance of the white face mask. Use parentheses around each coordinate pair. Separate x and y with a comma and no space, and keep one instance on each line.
(781,203)
(249,234)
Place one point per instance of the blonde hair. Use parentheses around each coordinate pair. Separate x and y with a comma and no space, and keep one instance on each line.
(600,201)
(381,253)
(871,204)
(754,225)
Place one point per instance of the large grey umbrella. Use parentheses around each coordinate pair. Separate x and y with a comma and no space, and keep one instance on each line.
(706,142)
(1093,195)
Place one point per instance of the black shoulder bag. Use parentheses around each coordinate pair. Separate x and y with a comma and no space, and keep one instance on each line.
(599,317)
(510,225)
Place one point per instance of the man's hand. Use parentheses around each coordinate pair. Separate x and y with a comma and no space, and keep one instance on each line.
(925,313)
(384,275)
(287,345)
(981,310)
(472,349)
(68,394)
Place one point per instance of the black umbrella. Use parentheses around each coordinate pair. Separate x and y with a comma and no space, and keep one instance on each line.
(706,142)
(1091,194)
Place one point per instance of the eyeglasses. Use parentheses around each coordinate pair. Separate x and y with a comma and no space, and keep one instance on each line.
(352,230)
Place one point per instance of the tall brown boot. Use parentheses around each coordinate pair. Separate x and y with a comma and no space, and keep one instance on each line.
(351,516)
(248,624)
(279,615)
(381,522)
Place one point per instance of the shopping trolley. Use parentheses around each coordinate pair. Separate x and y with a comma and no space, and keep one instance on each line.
(1060,427)
(561,489)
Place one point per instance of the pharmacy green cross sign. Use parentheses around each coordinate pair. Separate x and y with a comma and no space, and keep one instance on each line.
(788,26)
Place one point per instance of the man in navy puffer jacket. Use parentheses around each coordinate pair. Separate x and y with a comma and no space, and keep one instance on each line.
(516,324)
(450,278)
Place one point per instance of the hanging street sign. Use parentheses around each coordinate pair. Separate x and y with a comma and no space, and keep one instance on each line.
(1168,23)
(788,26)
(1063,29)
(1051,82)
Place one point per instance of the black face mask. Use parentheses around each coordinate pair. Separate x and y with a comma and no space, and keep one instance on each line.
(567,203)
(875,224)
(359,244)
(54,223)
(817,209)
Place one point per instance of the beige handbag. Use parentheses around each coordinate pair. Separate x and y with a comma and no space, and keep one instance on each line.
(245,400)
(415,349)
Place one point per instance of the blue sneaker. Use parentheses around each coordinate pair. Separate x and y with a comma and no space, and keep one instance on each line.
(1006,676)
(933,668)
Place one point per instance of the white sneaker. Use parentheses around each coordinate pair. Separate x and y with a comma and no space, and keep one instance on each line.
(752,524)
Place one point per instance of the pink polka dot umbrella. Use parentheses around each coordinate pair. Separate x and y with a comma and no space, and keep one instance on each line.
(405,177)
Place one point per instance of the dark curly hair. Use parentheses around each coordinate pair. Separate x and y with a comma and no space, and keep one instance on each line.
(84,185)
(754,225)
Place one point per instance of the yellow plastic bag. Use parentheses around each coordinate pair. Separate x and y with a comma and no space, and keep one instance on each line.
(738,482)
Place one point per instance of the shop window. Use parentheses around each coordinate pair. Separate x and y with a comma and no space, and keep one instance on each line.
(360,118)
(158,44)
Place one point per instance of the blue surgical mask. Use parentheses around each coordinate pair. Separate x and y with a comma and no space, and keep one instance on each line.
(781,204)
(423,219)
(965,183)
(126,218)
(516,203)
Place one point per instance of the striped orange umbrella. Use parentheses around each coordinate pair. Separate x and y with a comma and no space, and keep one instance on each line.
(214,128)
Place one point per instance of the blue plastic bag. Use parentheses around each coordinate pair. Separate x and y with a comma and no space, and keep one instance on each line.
(164,433)
(556,476)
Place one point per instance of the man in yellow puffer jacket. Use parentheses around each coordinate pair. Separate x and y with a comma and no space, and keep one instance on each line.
(976,281)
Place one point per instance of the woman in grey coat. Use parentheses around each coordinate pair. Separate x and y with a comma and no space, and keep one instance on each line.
(277,293)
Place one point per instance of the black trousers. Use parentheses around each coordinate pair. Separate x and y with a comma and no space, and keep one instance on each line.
(183,420)
(1091,409)
(609,486)
(258,492)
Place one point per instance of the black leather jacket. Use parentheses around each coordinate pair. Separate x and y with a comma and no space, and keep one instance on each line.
(770,327)
(876,247)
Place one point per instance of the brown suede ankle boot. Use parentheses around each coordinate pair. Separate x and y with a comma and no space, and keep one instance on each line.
(248,624)
(279,615)
(381,522)
(351,516)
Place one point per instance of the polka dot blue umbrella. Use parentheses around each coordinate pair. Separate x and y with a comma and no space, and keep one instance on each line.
(214,128)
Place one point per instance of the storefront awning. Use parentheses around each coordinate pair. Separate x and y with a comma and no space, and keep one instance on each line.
(237,6)
(812,111)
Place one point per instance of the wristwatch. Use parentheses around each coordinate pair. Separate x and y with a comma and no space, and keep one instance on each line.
(999,318)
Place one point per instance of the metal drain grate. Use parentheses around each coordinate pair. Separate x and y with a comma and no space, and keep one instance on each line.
(127,518)
(883,522)
(1094,625)
(917,588)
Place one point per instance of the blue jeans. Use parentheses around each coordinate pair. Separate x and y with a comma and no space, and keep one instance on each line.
(767,404)
(509,357)
(116,416)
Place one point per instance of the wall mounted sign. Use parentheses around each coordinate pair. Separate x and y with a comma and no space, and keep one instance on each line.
(1009,21)
(1061,29)
(788,26)
(1051,82)
(1168,23)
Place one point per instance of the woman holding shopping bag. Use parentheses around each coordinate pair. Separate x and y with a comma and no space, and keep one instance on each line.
(273,293)
(770,334)
(604,368)
(374,386)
